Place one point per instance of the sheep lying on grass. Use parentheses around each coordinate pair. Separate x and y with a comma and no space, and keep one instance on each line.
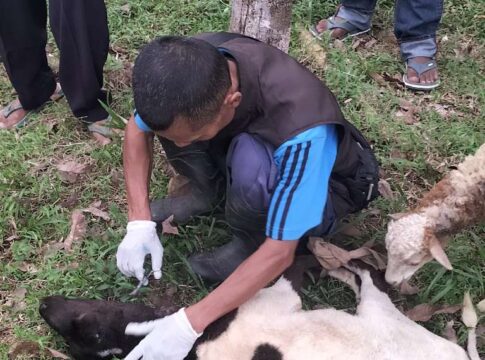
(270,326)
(415,237)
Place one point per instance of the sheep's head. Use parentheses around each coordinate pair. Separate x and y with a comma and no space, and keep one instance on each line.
(410,244)
(94,329)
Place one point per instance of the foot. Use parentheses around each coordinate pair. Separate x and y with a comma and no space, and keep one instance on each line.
(337,33)
(218,264)
(9,120)
(428,77)
(103,131)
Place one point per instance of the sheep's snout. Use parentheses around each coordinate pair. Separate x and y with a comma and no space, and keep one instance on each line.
(399,271)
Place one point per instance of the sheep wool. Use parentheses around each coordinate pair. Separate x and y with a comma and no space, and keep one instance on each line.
(418,236)
(274,319)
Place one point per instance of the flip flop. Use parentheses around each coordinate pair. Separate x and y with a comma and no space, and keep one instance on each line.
(104,129)
(13,107)
(10,109)
(338,23)
(420,70)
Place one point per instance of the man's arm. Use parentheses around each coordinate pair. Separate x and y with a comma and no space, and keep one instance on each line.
(269,261)
(141,236)
(137,164)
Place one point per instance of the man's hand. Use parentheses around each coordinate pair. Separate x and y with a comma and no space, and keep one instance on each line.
(170,338)
(140,240)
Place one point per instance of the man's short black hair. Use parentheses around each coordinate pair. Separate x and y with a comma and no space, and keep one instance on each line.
(179,76)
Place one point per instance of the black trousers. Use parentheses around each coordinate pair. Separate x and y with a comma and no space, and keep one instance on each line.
(80,29)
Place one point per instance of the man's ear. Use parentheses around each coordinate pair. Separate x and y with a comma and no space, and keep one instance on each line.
(436,250)
(233,99)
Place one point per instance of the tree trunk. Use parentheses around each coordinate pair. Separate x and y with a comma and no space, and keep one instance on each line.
(265,20)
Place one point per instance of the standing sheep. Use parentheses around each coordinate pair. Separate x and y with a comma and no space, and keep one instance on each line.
(416,237)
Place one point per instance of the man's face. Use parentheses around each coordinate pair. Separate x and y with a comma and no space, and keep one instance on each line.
(181,134)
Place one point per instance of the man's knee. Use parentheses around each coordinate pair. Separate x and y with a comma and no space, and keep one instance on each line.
(251,173)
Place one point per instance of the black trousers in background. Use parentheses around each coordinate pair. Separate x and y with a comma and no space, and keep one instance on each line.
(80,28)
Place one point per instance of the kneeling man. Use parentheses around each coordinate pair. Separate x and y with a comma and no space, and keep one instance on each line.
(246,123)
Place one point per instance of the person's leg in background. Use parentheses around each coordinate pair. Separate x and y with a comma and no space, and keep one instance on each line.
(23,36)
(416,23)
(80,28)
(251,178)
(352,18)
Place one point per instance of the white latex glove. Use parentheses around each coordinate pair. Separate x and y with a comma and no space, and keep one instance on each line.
(140,240)
(170,338)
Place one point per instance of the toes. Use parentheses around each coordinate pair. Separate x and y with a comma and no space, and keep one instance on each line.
(413,76)
(429,77)
(321,26)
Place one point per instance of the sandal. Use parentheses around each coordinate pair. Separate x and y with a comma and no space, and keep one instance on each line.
(333,22)
(8,110)
(102,127)
(420,70)
(15,105)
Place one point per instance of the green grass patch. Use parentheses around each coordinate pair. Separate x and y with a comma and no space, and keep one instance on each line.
(36,203)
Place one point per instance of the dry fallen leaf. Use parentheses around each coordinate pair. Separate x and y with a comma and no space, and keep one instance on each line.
(407,112)
(378,79)
(69,170)
(96,211)
(370,43)
(449,333)
(39,167)
(168,228)
(332,257)
(116,177)
(24,348)
(78,229)
(424,312)
(407,289)
(356,43)
(385,189)
(71,200)
(125,8)
(51,248)
(17,302)
(57,354)
(28,268)
(373,258)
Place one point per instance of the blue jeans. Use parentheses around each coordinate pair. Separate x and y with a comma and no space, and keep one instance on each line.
(415,23)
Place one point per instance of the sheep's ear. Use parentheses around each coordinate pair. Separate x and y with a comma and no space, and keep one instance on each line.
(397,216)
(437,252)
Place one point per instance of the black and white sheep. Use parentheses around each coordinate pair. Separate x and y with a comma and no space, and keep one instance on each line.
(270,326)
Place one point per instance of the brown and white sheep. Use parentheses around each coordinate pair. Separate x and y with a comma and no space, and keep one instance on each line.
(416,237)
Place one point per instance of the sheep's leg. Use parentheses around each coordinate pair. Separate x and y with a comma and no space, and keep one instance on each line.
(372,300)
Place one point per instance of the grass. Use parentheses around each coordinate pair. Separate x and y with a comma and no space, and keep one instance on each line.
(36,204)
